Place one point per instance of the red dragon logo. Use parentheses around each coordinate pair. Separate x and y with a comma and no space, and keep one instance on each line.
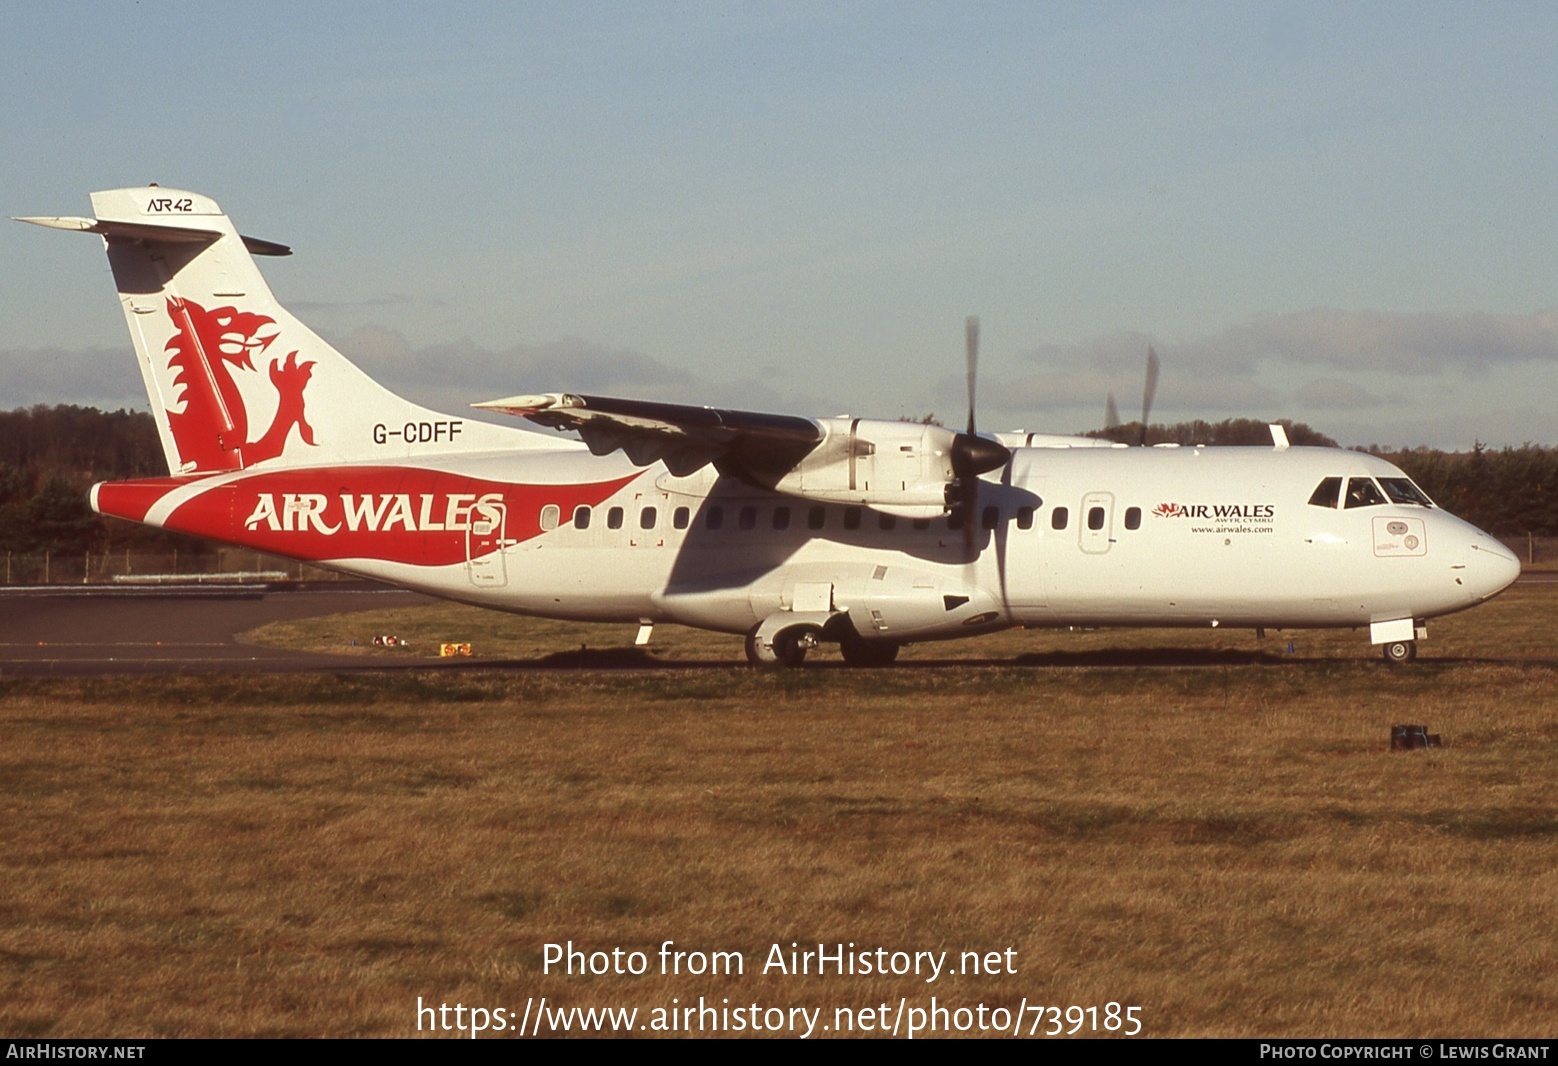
(212,431)
(1169,510)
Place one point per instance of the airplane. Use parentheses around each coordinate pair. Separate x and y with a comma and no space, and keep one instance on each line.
(791,531)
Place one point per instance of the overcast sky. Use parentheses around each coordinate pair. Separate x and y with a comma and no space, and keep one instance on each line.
(1345,214)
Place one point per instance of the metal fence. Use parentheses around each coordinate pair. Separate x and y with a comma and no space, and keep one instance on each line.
(1539,552)
(128,567)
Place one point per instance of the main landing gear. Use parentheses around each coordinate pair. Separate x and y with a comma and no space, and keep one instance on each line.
(788,649)
(858,651)
(1399,651)
(790,645)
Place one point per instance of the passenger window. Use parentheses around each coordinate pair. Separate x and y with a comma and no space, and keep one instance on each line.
(955,519)
(581,517)
(551,514)
(886,521)
(1133,518)
(748,518)
(1362,492)
(922,523)
(1059,517)
(1326,492)
(816,517)
(714,518)
(851,518)
(1095,518)
(680,517)
(1025,518)
(781,518)
(614,518)
(991,518)
(646,518)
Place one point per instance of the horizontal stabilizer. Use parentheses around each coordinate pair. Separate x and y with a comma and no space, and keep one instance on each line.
(142,231)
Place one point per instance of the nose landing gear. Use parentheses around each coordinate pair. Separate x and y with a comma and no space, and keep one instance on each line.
(1399,651)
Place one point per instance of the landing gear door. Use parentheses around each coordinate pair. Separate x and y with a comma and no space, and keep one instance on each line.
(484,543)
(1097,524)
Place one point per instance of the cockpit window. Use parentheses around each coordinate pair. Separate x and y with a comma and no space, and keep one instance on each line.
(1362,492)
(1402,490)
(1326,493)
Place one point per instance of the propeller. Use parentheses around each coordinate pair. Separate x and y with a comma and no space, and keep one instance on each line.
(972,454)
(1148,392)
(1111,413)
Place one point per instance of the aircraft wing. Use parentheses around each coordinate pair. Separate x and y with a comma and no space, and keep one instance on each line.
(749,444)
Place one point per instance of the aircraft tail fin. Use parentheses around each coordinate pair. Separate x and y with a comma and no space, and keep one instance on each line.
(234,380)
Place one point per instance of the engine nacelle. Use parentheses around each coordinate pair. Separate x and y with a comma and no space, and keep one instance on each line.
(900,468)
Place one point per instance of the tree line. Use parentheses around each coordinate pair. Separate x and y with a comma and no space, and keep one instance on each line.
(51,456)
(1505,491)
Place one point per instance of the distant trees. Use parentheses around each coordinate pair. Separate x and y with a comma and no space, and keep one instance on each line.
(1230,432)
(1506,492)
(50,457)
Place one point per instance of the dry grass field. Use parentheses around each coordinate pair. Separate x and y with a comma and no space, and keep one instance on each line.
(1203,826)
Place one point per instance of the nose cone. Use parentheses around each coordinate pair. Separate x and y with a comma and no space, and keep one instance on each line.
(1490,567)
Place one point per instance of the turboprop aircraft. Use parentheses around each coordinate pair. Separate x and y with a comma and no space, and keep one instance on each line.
(792,531)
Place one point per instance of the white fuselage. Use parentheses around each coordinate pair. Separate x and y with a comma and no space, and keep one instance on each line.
(1076,537)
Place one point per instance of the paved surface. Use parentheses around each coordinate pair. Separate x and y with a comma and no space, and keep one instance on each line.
(55,631)
(106,630)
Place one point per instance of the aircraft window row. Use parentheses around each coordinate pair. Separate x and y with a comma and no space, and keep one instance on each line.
(816,517)
(681,517)
(1364,492)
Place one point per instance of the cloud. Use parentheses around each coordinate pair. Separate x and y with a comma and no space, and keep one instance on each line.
(1373,341)
(446,377)
(1335,394)
(451,376)
(1360,376)
(1087,388)
(571,364)
(1258,369)
(1379,341)
(393,299)
(89,377)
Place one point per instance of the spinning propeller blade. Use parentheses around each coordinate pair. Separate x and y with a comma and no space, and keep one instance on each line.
(972,454)
(1150,391)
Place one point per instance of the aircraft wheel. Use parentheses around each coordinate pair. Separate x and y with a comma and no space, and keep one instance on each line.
(1400,651)
(758,655)
(789,649)
(791,645)
(858,651)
